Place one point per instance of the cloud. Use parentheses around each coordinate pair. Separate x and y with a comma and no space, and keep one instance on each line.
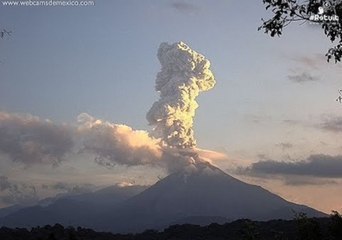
(56,186)
(291,122)
(125,184)
(333,124)
(320,165)
(4,183)
(184,75)
(303,77)
(30,140)
(314,62)
(184,7)
(27,139)
(70,188)
(258,119)
(307,68)
(17,193)
(285,146)
(211,155)
(307,180)
(117,144)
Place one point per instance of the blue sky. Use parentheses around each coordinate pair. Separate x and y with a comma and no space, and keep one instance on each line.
(62,61)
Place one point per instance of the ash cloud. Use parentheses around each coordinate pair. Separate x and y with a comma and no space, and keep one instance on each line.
(320,165)
(184,74)
(113,144)
(117,144)
(29,140)
(110,144)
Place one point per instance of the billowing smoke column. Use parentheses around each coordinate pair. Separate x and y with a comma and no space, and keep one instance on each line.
(184,74)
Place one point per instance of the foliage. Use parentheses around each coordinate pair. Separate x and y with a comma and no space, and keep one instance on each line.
(336,225)
(308,228)
(301,228)
(285,12)
(250,231)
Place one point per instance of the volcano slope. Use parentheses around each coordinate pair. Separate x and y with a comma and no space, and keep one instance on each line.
(201,192)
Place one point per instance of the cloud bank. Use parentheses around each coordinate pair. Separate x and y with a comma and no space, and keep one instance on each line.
(17,193)
(69,188)
(29,140)
(319,165)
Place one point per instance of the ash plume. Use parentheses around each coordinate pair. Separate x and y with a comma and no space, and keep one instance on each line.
(116,143)
(184,74)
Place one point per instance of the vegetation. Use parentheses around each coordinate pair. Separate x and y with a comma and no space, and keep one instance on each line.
(301,228)
(326,13)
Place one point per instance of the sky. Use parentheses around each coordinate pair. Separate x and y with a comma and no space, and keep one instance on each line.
(272,112)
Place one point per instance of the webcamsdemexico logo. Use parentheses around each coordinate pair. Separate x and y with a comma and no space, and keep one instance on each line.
(48,3)
(326,13)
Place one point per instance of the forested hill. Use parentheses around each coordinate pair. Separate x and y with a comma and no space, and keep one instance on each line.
(301,228)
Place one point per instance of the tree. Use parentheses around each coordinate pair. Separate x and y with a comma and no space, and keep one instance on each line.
(336,225)
(326,13)
(307,228)
(250,231)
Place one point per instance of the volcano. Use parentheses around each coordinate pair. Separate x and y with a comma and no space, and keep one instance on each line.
(200,194)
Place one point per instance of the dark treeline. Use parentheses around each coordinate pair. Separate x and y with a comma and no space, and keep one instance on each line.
(300,228)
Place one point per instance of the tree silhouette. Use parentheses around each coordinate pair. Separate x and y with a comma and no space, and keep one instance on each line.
(249,231)
(326,13)
(307,228)
(336,225)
